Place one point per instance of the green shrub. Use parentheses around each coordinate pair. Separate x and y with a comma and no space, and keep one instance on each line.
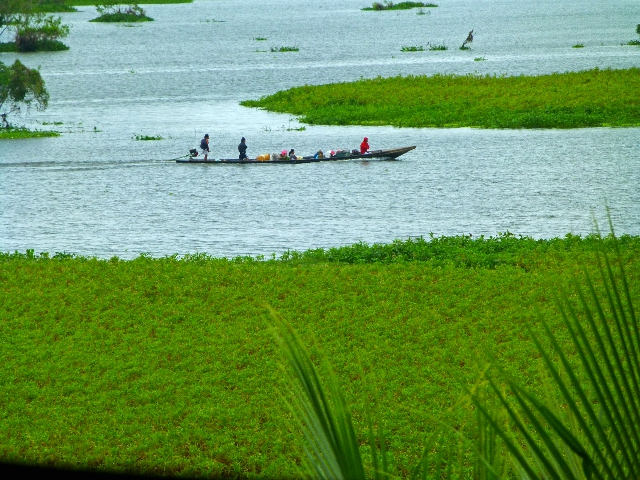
(112,13)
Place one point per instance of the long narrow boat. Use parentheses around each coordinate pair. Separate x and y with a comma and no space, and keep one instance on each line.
(391,154)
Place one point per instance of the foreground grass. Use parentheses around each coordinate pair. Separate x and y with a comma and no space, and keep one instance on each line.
(168,365)
(592,98)
(14,133)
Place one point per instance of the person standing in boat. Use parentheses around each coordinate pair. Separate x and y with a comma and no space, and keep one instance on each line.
(242,148)
(204,146)
(364,146)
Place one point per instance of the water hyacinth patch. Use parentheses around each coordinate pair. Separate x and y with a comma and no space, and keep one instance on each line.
(147,137)
(284,49)
(389,5)
(168,365)
(591,98)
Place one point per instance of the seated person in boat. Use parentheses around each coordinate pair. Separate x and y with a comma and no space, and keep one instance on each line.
(292,155)
(364,146)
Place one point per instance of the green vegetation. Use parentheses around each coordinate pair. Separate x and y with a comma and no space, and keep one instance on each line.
(7,133)
(389,5)
(284,49)
(479,59)
(260,39)
(147,137)
(110,12)
(39,46)
(52,6)
(412,49)
(437,47)
(578,45)
(591,98)
(168,365)
(635,42)
(29,30)
(20,87)
(85,3)
(586,425)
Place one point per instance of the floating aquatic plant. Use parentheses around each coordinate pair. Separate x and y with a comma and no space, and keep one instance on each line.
(284,49)
(413,49)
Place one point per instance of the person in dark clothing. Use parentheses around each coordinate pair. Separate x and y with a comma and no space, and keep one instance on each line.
(204,146)
(242,148)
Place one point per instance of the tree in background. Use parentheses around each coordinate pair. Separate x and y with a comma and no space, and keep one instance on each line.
(30,30)
(20,87)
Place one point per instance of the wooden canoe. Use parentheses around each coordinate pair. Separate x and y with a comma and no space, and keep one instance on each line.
(390,154)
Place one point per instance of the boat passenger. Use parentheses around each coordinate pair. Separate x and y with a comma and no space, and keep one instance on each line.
(364,146)
(204,146)
(242,148)
(292,155)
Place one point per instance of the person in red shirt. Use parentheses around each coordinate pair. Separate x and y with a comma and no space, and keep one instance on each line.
(364,146)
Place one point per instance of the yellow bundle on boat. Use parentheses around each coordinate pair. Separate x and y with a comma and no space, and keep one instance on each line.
(264,157)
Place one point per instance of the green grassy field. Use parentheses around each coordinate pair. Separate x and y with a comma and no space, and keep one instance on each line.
(591,98)
(168,366)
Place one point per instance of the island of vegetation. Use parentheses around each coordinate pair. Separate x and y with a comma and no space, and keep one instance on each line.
(389,5)
(592,98)
(29,30)
(111,12)
(169,365)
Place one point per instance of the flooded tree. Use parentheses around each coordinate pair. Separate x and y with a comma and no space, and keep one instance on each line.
(20,87)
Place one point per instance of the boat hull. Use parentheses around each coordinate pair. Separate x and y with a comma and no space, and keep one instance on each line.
(390,154)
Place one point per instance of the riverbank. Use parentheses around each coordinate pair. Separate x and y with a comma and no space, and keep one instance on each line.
(591,98)
(168,366)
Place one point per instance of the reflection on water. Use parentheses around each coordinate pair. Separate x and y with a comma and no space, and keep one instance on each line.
(98,191)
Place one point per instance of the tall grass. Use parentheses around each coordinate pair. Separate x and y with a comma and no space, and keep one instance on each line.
(592,98)
(588,427)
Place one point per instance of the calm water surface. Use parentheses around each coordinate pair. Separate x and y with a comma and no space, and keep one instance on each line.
(97,191)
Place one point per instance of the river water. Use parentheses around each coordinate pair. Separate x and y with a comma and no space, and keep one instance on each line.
(98,191)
